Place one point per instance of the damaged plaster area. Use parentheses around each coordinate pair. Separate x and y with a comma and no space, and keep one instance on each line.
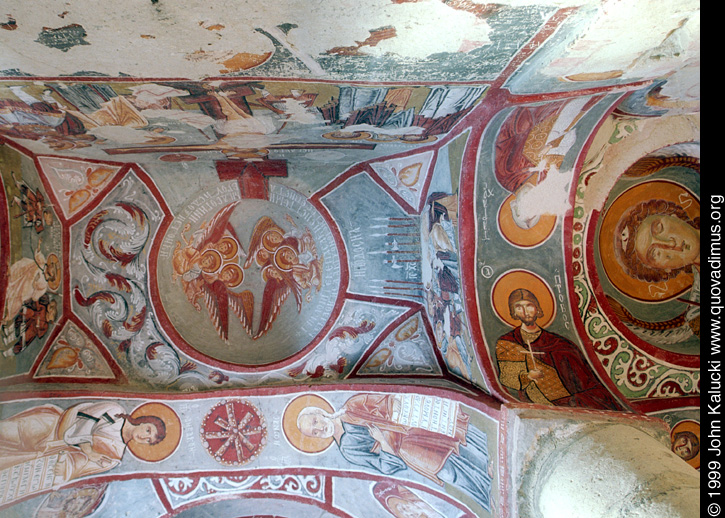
(197,39)
(637,40)
(549,197)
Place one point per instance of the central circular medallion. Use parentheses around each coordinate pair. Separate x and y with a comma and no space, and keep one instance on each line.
(234,432)
(247,281)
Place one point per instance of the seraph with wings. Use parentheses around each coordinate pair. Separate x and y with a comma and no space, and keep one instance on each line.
(289,264)
(208,266)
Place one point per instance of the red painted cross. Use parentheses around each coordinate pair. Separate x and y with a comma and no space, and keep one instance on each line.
(252,175)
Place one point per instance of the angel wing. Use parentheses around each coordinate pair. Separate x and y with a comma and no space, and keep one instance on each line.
(217,226)
(219,300)
(216,299)
(278,288)
(242,304)
(264,224)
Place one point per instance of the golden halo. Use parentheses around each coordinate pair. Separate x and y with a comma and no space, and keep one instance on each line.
(515,279)
(524,237)
(635,288)
(271,239)
(261,257)
(346,135)
(289,424)
(688,426)
(270,272)
(216,261)
(52,272)
(233,247)
(279,259)
(418,139)
(593,76)
(161,450)
(382,137)
(236,272)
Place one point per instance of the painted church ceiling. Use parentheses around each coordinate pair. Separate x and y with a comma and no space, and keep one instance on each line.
(390,42)
(200,464)
(402,213)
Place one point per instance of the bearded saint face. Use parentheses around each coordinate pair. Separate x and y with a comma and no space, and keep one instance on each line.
(524,306)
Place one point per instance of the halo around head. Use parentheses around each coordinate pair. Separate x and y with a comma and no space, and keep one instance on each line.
(161,450)
(688,426)
(271,239)
(211,261)
(234,274)
(282,261)
(621,280)
(289,424)
(528,234)
(52,272)
(228,247)
(522,279)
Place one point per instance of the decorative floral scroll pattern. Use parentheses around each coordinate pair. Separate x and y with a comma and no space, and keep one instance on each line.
(183,490)
(309,486)
(636,374)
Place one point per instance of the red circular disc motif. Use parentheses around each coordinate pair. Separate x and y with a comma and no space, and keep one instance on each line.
(234,432)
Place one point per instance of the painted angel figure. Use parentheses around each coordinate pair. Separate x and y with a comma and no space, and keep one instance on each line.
(208,266)
(289,264)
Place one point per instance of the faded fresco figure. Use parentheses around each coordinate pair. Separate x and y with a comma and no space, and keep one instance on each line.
(545,368)
(441,281)
(411,509)
(401,502)
(29,117)
(33,322)
(76,502)
(373,431)
(534,140)
(28,280)
(89,438)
